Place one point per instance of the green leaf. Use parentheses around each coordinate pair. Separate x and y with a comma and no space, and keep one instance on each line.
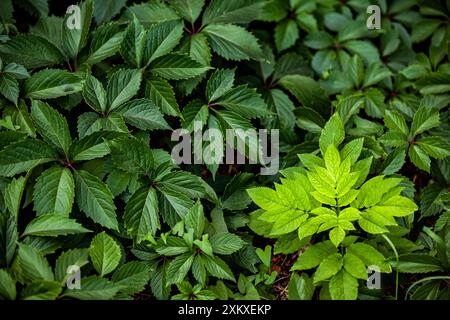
(177,67)
(151,13)
(162,39)
(132,47)
(92,146)
(419,157)
(370,256)
(7,285)
(24,155)
(188,9)
(41,290)
(95,199)
(144,114)
(240,11)
(105,42)
(105,254)
(51,125)
(218,268)
(178,268)
(306,90)
(30,51)
(355,266)
(286,34)
(300,287)
(233,42)
(333,133)
(9,88)
(141,214)
(8,236)
(195,220)
(52,83)
(104,10)
(94,288)
(226,243)
(54,192)
(328,267)
(13,195)
(219,84)
(244,101)
(173,246)
(436,147)
(160,92)
(319,40)
(123,85)
(52,225)
(132,155)
(183,183)
(132,276)
(343,286)
(314,255)
(424,119)
(94,94)
(29,265)
(417,263)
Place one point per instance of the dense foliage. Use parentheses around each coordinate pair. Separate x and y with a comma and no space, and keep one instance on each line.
(88,183)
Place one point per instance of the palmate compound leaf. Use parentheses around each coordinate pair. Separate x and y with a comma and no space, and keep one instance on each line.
(52,83)
(285,208)
(51,125)
(233,42)
(141,214)
(105,253)
(54,192)
(95,199)
(24,155)
(53,225)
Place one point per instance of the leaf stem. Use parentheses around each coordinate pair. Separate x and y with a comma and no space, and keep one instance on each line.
(397,259)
